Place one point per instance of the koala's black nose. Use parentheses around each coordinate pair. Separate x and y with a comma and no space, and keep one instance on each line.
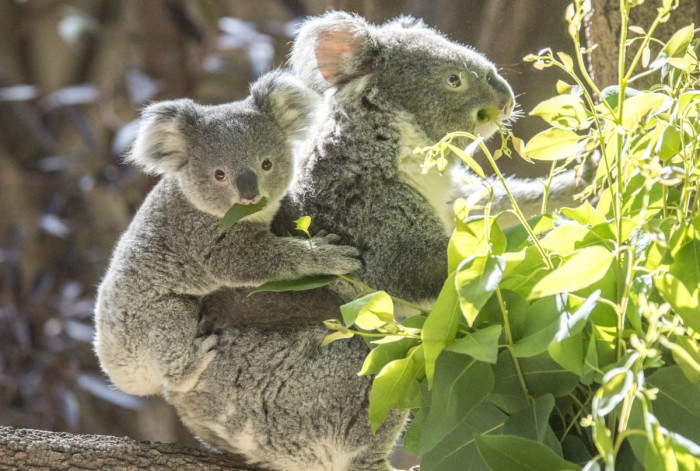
(247,184)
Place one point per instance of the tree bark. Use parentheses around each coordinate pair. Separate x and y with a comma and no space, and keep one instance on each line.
(39,450)
(603,30)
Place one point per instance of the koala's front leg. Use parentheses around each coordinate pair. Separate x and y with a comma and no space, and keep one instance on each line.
(181,354)
(249,255)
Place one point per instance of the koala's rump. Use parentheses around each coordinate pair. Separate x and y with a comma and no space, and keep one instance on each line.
(276,396)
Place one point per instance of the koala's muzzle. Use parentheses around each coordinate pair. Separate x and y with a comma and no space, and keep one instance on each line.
(247,185)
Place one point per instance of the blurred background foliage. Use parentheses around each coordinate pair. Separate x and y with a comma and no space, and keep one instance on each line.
(73,76)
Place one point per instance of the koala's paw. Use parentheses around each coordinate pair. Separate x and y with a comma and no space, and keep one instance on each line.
(337,259)
(324,238)
(203,352)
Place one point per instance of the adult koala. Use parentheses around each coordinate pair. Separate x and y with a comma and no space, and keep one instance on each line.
(272,394)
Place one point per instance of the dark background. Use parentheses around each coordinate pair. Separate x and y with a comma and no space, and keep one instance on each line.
(73,76)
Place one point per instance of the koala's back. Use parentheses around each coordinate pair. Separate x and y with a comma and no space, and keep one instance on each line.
(286,403)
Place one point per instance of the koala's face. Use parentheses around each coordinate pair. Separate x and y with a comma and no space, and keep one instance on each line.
(223,155)
(406,66)
(236,156)
(445,86)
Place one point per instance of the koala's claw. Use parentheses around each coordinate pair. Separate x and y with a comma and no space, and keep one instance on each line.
(325,238)
(204,350)
(339,259)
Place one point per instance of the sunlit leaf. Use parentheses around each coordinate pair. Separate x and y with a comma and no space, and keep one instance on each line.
(677,46)
(372,309)
(553,144)
(385,353)
(561,111)
(302,224)
(339,335)
(476,280)
(467,159)
(584,268)
(390,385)
(616,384)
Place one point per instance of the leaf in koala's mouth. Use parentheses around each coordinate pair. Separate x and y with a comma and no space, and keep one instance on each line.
(239,211)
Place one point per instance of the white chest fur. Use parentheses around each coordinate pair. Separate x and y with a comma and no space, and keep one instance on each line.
(436,188)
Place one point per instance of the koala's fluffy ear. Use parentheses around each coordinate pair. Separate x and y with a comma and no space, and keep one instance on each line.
(286,100)
(406,22)
(160,146)
(333,49)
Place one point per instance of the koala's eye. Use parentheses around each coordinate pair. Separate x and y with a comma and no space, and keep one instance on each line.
(266,164)
(220,175)
(453,81)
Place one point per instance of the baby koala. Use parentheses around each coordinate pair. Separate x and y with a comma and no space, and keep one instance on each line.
(174,253)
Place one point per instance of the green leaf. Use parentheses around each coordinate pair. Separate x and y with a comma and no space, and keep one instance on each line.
(677,46)
(565,239)
(584,214)
(584,268)
(440,327)
(615,386)
(531,423)
(553,144)
(476,168)
(369,311)
(508,452)
(543,375)
(459,447)
(460,384)
(670,143)
(470,238)
(540,328)
(238,212)
(391,384)
(686,352)
(476,280)
(677,405)
(302,224)
(507,393)
(298,284)
(482,345)
(569,353)
(385,353)
(562,111)
(517,236)
(644,104)
(677,295)
(340,335)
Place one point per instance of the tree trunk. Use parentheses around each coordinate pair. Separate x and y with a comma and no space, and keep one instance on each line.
(38,450)
(603,30)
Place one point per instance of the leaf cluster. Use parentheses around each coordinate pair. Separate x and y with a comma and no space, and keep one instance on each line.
(571,340)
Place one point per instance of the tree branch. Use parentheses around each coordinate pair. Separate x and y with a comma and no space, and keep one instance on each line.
(41,450)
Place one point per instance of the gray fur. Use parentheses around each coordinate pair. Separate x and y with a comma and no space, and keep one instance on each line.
(148,307)
(274,395)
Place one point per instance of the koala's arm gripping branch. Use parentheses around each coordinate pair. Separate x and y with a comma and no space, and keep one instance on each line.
(36,449)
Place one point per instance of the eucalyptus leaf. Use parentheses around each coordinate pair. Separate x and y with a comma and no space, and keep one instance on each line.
(512,453)
(482,345)
(238,212)
(298,284)
(476,280)
(459,447)
(553,144)
(460,385)
(584,268)
(440,327)
(392,383)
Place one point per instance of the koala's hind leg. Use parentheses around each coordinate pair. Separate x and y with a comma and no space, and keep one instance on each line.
(181,352)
